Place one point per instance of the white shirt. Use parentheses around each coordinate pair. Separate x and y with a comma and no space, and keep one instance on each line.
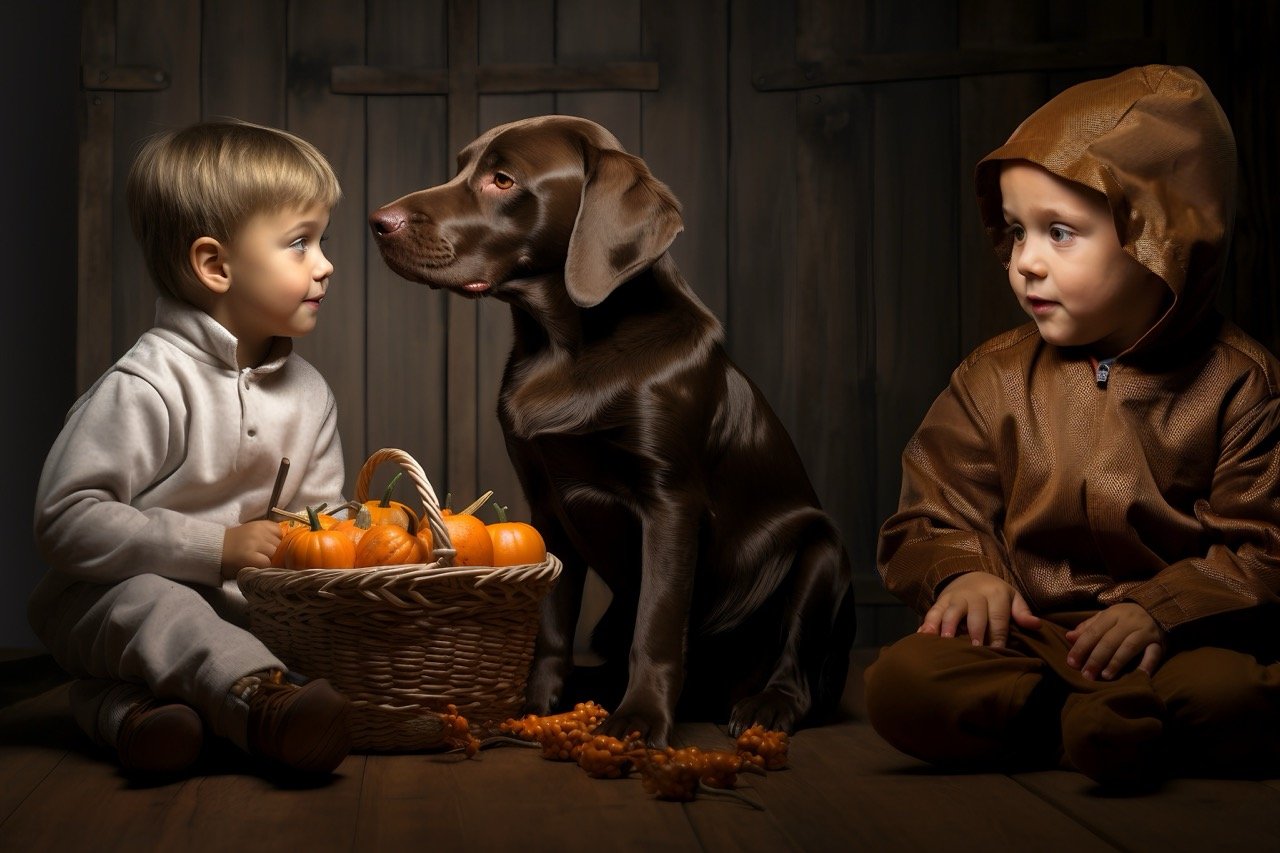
(173,445)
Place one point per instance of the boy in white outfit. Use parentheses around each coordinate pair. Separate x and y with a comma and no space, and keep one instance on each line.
(155,493)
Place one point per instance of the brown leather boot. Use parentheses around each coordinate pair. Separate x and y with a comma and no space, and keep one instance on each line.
(156,737)
(302,724)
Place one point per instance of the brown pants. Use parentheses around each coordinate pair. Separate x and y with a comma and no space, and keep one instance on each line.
(948,702)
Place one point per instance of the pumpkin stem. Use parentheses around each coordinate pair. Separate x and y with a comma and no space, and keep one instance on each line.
(448,501)
(477,503)
(501,511)
(386,495)
(299,517)
(314,518)
(363,519)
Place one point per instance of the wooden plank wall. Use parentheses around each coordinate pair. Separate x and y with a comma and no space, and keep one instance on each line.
(833,229)
(406,325)
(860,275)
(510,31)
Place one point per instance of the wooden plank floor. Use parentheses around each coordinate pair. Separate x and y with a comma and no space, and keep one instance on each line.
(845,790)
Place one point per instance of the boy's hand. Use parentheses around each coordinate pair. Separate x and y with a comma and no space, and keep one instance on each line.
(250,544)
(1106,642)
(984,603)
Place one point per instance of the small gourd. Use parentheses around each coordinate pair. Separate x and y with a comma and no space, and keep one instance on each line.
(514,542)
(319,548)
(470,539)
(387,511)
(388,545)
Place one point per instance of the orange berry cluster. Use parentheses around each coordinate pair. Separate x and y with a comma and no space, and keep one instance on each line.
(561,736)
(670,774)
(605,757)
(457,734)
(764,748)
(675,774)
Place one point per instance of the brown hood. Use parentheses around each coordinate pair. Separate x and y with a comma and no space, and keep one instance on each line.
(1156,143)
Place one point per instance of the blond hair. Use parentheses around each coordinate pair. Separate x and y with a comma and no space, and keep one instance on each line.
(208,180)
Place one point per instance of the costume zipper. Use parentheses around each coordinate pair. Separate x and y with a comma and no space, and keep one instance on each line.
(1102,372)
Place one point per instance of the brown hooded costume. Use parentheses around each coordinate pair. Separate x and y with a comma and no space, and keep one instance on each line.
(1156,483)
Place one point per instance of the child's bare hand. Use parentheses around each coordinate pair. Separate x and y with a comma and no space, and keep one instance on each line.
(1106,642)
(984,604)
(250,544)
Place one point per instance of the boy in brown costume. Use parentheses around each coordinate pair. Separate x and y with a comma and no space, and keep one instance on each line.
(1090,512)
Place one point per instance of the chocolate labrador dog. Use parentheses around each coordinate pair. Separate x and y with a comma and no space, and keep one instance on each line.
(643,451)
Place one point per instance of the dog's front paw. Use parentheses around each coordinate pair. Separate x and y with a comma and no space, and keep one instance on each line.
(653,726)
(776,710)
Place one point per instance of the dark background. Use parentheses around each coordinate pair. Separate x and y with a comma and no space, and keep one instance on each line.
(39,70)
(822,150)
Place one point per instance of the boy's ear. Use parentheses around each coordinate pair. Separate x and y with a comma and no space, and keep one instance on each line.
(209,263)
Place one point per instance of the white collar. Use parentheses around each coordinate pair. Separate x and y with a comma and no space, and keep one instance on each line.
(204,338)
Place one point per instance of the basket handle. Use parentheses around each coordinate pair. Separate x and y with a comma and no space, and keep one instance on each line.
(443,545)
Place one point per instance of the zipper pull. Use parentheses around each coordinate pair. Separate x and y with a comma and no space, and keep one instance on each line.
(1103,372)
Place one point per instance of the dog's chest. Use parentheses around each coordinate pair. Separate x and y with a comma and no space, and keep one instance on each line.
(590,469)
(549,396)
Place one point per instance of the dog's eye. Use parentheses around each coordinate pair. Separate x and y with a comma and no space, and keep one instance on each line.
(503,181)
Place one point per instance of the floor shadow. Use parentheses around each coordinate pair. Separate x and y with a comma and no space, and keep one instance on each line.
(28,675)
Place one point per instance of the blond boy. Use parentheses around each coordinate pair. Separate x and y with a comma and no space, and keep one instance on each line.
(155,493)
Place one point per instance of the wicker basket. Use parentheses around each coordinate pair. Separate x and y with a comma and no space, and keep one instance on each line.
(398,640)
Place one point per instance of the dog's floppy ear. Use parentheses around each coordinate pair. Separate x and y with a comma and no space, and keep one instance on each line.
(626,220)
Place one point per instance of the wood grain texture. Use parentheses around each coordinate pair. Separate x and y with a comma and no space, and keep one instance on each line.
(155,34)
(462,402)
(843,789)
(830,349)
(243,61)
(685,132)
(407,353)
(505,78)
(95,227)
(1184,815)
(321,34)
(585,32)
(915,249)
(832,229)
(897,66)
(762,219)
(990,108)
(123,78)
(512,31)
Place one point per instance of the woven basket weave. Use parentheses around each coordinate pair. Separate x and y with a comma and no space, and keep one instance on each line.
(401,640)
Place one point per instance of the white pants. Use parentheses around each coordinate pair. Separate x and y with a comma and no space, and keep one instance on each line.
(181,643)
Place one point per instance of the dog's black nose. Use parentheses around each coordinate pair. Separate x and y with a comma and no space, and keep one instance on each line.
(386,220)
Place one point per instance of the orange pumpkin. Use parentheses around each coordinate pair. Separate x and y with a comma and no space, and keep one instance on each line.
(470,539)
(428,546)
(388,545)
(288,529)
(514,542)
(387,511)
(318,548)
